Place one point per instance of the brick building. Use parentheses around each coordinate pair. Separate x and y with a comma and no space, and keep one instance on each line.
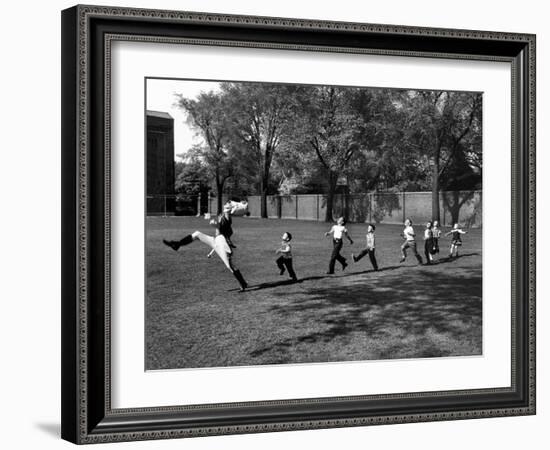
(160,164)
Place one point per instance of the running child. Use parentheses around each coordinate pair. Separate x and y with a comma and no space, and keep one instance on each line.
(456,240)
(369,249)
(408,235)
(284,262)
(428,243)
(220,243)
(338,232)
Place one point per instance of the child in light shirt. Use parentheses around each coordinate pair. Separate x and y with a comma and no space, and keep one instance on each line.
(369,249)
(338,232)
(408,235)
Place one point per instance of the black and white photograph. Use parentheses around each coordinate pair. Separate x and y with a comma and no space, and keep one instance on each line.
(275,225)
(299,224)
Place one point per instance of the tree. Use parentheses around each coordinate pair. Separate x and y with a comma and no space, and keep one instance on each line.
(192,177)
(440,124)
(207,113)
(333,129)
(260,115)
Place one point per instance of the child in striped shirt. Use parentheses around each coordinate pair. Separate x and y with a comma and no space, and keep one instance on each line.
(369,249)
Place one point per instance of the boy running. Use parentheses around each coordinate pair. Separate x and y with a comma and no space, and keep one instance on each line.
(408,235)
(369,249)
(338,232)
(284,262)
(456,239)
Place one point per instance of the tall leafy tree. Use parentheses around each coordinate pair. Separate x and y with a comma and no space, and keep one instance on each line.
(260,115)
(440,124)
(333,129)
(208,115)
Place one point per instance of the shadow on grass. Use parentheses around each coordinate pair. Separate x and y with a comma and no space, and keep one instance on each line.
(381,309)
(448,259)
(286,282)
(274,284)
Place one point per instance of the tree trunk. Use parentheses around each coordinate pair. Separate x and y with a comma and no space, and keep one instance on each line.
(332,181)
(219,193)
(435,190)
(455,208)
(263,198)
(203,195)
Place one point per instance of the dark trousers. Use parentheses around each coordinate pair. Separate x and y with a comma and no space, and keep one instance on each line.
(428,249)
(286,263)
(370,252)
(412,246)
(336,256)
(436,245)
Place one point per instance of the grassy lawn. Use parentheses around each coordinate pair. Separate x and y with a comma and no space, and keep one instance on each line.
(195,317)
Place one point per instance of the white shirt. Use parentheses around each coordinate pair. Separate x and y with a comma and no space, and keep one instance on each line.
(338,231)
(370,240)
(409,233)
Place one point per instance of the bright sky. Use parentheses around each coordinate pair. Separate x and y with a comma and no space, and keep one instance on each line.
(161,96)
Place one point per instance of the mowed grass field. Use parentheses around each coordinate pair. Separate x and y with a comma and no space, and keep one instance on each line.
(195,316)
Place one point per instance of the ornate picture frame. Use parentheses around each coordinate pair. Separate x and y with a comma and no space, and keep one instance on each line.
(88,33)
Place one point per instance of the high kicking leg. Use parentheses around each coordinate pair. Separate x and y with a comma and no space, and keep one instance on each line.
(218,244)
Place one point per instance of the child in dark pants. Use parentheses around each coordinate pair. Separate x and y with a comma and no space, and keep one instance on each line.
(409,235)
(428,243)
(338,232)
(369,249)
(284,262)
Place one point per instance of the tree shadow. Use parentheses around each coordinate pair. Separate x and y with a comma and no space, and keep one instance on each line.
(287,282)
(407,306)
(448,259)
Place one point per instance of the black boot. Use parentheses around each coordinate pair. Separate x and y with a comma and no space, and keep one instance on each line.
(175,245)
(240,279)
(419,258)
